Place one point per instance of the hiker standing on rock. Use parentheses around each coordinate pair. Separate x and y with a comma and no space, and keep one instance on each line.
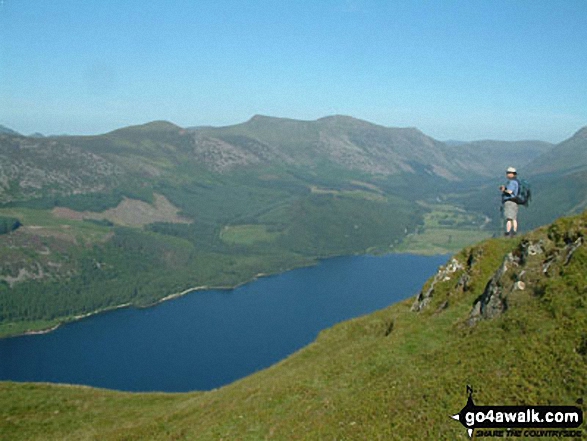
(509,193)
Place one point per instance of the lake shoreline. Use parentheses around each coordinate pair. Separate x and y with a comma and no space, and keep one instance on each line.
(243,331)
(315,261)
(173,296)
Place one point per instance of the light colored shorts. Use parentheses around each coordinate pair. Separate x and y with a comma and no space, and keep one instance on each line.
(510,210)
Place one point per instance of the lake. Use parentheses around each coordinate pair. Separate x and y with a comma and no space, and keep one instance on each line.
(207,339)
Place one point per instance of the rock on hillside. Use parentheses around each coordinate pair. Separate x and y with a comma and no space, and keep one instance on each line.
(32,167)
(538,256)
(339,140)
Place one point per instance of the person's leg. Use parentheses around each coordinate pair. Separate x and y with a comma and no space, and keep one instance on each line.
(515,208)
(510,212)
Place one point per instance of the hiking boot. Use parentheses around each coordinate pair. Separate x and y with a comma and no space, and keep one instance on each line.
(506,234)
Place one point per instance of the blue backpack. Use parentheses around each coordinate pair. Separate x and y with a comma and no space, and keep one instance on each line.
(524,193)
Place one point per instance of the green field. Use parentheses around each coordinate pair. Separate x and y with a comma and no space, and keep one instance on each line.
(446,229)
(247,234)
(45,222)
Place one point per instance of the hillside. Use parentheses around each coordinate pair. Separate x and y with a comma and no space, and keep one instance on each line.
(568,156)
(135,159)
(345,141)
(561,177)
(505,316)
(6,130)
(489,158)
(139,157)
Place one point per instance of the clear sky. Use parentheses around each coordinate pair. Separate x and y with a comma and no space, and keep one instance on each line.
(465,70)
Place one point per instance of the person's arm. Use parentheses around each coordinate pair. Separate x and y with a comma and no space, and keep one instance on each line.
(505,189)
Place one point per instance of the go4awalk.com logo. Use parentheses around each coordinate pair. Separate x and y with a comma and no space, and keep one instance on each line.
(520,421)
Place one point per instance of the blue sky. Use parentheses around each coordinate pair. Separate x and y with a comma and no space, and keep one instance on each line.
(463,70)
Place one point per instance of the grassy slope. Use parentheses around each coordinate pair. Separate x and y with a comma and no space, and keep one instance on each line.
(394,374)
(568,156)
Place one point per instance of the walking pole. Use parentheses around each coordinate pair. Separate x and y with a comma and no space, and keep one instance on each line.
(501,222)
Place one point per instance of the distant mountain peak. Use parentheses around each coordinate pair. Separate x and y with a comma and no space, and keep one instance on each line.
(581,133)
(159,125)
(342,118)
(6,131)
(350,121)
(259,117)
(153,126)
(264,119)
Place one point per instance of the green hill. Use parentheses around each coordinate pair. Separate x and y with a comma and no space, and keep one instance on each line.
(8,131)
(490,158)
(561,177)
(568,156)
(505,316)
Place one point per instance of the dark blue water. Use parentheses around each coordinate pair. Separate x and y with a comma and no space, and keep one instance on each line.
(207,339)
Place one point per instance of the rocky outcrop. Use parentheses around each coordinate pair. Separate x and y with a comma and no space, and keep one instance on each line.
(523,269)
(32,168)
(494,299)
(445,273)
(526,266)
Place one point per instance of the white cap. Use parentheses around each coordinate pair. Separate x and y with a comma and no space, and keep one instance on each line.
(511,170)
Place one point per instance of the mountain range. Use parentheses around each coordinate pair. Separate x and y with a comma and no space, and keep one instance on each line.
(155,209)
(92,164)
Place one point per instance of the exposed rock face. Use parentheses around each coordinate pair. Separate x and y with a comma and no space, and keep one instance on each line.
(31,168)
(535,258)
(520,269)
(444,274)
(494,299)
